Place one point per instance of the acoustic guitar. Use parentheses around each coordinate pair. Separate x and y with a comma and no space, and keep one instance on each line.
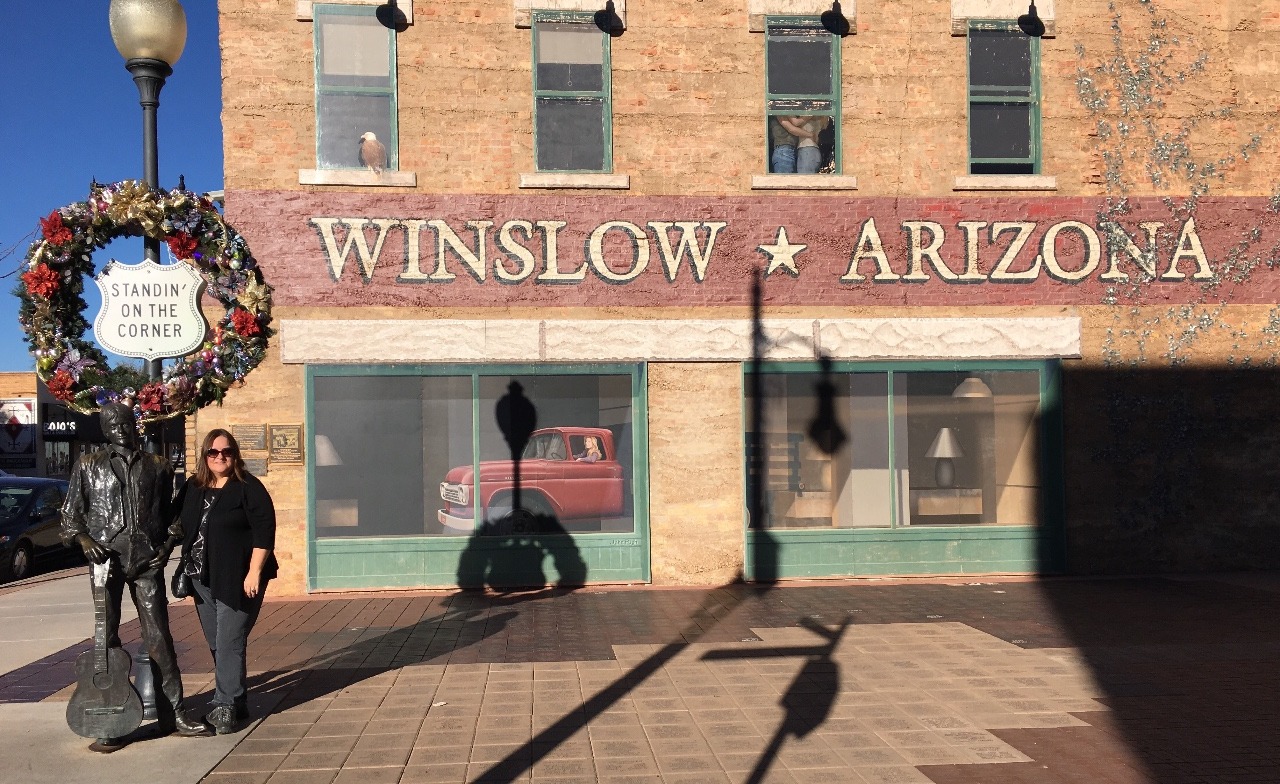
(105,704)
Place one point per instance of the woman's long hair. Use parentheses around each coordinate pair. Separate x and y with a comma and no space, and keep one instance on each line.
(204,476)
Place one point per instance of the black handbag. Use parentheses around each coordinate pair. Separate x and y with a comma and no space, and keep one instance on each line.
(180,587)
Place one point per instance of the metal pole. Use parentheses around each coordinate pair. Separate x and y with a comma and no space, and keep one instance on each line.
(149,76)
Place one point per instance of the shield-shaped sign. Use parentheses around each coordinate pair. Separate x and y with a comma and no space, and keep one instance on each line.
(150,310)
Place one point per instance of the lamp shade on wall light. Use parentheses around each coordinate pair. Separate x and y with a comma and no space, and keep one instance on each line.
(945,448)
(326,455)
(972,387)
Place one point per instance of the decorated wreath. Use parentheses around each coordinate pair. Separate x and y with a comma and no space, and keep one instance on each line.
(52,310)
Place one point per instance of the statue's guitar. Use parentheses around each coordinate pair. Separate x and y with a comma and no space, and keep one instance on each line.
(105,704)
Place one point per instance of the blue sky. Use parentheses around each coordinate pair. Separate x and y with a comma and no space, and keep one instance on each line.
(71,114)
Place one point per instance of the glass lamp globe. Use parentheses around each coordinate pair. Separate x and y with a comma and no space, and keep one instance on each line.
(151,29)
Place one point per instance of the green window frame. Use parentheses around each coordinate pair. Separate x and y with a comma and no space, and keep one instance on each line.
(433,559)
(566,115)
(903,545)
(1003,76)
(798,97)
(360,94)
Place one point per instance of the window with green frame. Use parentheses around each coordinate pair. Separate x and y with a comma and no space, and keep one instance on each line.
(406,453)
(572,107)
(928,447)
(802,96)
(355,88)
(1004,99)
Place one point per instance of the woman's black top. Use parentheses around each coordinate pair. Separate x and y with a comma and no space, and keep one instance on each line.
(241,518)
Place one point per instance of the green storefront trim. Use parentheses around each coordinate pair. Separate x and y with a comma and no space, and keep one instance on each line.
(335,563)
(924,550)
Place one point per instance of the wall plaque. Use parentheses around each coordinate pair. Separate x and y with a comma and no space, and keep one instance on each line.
(255,465)
(250,437)
(286,444)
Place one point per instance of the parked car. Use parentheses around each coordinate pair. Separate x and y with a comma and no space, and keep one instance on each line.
(566,473)
(30,523)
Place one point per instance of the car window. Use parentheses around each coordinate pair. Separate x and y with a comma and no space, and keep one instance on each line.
(545,446)
(49,501)
(12,500)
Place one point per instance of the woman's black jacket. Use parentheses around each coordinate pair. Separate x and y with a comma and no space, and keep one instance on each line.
(242,518)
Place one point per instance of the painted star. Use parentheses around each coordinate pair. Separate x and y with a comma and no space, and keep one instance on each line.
(782,254)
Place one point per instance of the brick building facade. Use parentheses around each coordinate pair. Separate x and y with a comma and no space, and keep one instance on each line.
(1017,314)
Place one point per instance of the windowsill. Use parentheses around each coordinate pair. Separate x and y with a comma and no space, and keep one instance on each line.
(575,180)
(1006,182)
(804,182)
(387,179)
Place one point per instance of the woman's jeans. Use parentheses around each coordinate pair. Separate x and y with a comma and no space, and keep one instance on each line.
(227,632)
(784,159)
(808,159)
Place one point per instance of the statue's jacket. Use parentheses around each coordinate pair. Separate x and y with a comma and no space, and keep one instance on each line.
(130,518)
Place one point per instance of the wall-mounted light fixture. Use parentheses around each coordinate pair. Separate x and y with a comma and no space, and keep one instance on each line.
(834,20)
(1031,23)
(608,21)
(972,387)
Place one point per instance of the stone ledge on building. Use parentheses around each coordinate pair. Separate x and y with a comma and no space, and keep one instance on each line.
(575,180)
(759,10)
(965,11)
(523,9)
(1006,182)
(804,182)
(338,341)
(304,10)
(385,178)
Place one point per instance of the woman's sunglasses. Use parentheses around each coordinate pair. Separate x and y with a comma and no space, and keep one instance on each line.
(226,454)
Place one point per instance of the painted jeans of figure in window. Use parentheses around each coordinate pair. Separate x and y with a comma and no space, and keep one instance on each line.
(784,159)
(808,159)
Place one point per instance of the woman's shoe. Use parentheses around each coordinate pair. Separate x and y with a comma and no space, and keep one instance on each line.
(224,720)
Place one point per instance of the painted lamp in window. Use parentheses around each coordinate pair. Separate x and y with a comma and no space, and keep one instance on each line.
(945,448)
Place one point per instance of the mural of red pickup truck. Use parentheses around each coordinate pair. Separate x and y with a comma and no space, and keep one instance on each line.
(566,473)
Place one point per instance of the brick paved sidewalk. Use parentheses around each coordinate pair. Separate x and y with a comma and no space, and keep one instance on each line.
(945,681)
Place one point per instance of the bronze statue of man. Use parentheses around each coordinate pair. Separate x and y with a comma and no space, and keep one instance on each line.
(118,509)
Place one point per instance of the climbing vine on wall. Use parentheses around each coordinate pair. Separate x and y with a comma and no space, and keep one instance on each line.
(1156,99)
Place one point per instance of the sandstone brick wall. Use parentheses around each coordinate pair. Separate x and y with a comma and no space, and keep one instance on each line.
(1168,447)
(688,91)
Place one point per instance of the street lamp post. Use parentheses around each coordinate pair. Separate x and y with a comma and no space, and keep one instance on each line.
(150,36)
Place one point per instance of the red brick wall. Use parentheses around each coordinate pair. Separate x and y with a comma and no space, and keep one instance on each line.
(292,251)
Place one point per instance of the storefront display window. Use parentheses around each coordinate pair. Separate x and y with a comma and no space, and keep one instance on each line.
(957,447)
(431,455)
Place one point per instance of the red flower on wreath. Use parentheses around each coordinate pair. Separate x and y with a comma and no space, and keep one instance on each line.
(245,323)
(182,245)
(151,397)
(41,280)
(61,386)
(54,230)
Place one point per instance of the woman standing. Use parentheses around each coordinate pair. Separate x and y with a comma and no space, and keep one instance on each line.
(228,525)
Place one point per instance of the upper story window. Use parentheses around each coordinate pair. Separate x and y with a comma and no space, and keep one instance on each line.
(802,96)
(1004,99)
(355,89)
(573,116)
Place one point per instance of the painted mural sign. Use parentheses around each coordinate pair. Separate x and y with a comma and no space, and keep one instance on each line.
(358,250)
(692,245)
